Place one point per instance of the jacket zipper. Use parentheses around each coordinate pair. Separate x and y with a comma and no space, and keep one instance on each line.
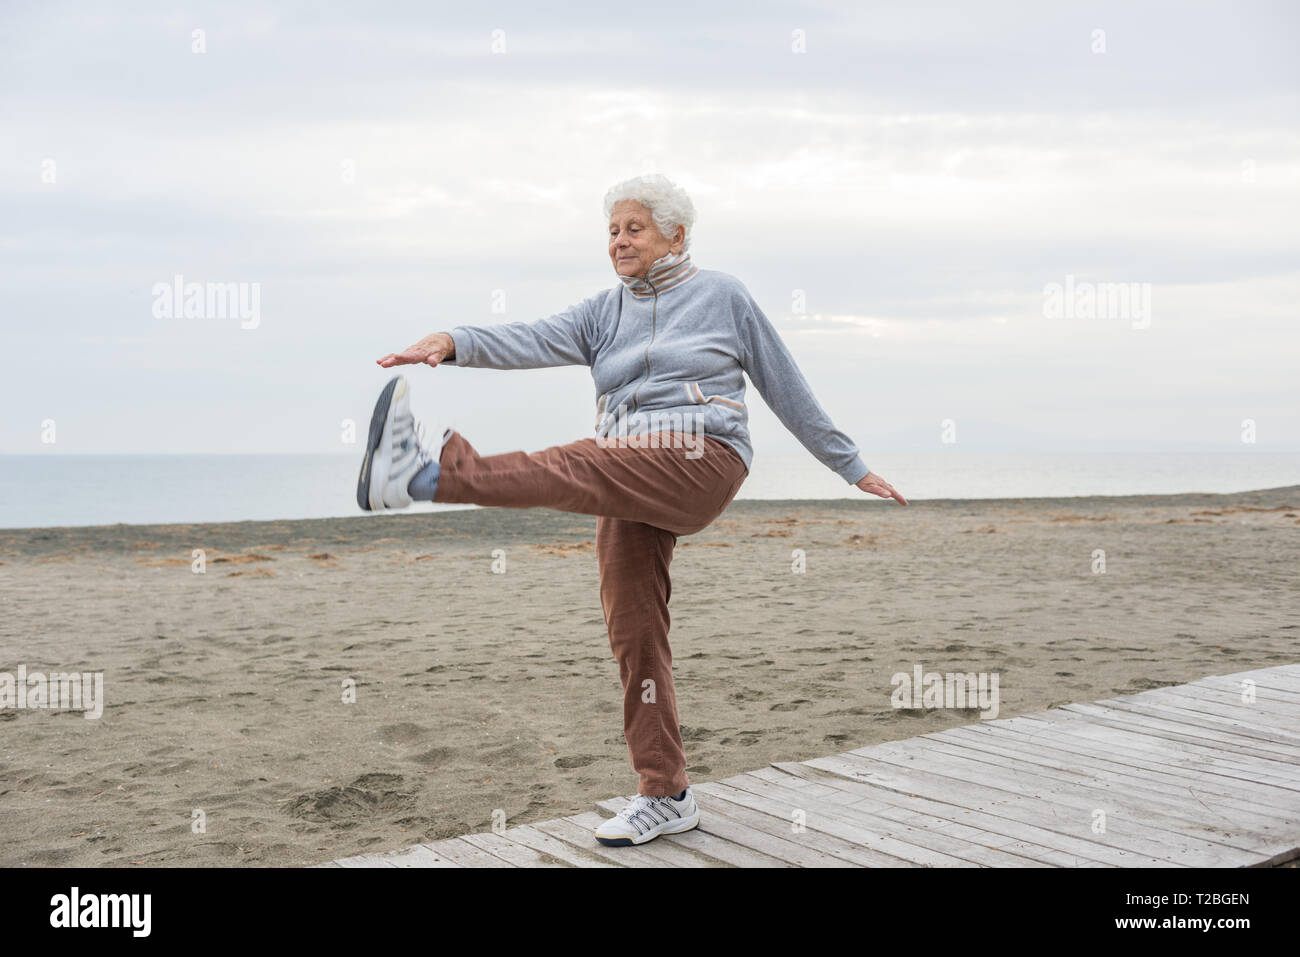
(654,321)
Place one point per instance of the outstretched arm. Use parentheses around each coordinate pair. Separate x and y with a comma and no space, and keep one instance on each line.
(559,340)
(772,369)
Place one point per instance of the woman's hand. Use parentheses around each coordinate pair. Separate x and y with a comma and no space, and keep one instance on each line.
(874,484)
(430,350)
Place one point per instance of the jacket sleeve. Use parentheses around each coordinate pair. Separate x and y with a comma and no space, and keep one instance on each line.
(772,369)
(563,339)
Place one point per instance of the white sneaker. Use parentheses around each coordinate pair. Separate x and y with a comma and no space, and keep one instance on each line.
(395,451)
(645,818)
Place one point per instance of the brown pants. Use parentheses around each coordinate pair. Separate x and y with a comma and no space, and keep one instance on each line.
(644,497)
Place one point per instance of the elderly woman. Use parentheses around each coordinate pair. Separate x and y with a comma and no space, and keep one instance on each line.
(668,347)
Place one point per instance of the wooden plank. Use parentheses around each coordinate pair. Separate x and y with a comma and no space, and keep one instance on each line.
(1234,815)
(936,837)
(419,855)
(707,844)
(1214,770)
(1269,676)
(1200,721)
(582,839)
(1266,679)
(1147,757)
(1148,721)
(1070,788)
(1106,749)
(363,860)
(851,828)
(1272,692)
(993,831)
(1116,766)
(1140,730)
(1263,711)
(511,852)
(1028,853)
(666,846)
(722,800)
(466,854)
(1200,718)
(1087,783)
(1278,687)
(1022,824)
(1249,722)
(1274,677)
(719,824)
(528,836)
(1142,832)
(1180,815)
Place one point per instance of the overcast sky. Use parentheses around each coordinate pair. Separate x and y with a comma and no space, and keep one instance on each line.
(922,173)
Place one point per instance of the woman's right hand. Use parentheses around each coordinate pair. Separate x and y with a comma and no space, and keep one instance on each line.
(873,483)
(430,350)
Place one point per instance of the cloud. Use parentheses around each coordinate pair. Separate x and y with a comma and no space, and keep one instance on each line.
(916,177)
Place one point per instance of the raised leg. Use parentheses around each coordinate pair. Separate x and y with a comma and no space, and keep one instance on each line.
(657,484)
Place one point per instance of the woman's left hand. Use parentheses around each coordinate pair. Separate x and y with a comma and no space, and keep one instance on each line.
(874,484)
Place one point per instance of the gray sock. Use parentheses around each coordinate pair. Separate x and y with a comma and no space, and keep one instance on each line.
(425,483)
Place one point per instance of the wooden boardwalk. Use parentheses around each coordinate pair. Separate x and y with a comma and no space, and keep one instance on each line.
(1182,776)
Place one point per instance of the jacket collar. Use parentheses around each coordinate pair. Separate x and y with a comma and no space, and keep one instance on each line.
(665,273)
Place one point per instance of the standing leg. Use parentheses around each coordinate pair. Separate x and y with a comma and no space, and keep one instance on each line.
(634,592)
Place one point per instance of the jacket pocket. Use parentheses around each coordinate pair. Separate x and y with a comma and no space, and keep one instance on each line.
(699,398)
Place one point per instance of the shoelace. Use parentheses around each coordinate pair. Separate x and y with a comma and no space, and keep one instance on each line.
(636,807)
(423,454)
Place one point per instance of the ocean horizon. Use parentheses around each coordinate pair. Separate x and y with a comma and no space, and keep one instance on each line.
(75,490)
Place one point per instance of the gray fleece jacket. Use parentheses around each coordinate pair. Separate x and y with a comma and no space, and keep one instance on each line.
(669,351)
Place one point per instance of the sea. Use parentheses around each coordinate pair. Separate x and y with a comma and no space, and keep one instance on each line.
(59,490)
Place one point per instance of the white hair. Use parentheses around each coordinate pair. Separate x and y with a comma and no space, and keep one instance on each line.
(668,203)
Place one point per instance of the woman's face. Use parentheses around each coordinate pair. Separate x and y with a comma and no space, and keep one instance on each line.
(635,241)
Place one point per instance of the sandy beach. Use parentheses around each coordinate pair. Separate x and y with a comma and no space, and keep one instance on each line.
(224,692)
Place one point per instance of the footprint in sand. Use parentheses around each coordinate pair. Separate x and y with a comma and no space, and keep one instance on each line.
(434,757)
(690,733)
(352,802)
(789,706)
(400,734)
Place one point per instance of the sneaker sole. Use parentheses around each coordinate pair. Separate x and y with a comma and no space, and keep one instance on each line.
(374,467)
(681,827)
